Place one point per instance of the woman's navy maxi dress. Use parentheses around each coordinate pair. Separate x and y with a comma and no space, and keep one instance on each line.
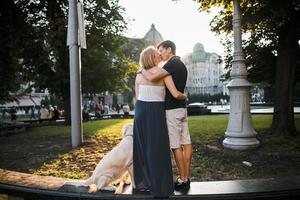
(151,151)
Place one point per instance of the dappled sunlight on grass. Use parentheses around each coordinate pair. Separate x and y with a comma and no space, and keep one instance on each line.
(109,129)
(90,128)
(103,128)
(64,166)
(101,135)
(50,151)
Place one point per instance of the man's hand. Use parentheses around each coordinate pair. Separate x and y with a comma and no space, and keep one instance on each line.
(139,71)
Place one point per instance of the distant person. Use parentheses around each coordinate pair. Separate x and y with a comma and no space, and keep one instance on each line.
(55,113)
(3,113)
(106,109)
(118,107)
(13,114)
(26,111)
(126,109)
(44,113)
(85,112)
(32,112)
(100,107)
(51,114)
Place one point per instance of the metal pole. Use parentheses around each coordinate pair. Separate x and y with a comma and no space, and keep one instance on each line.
(240,133)
(75,75)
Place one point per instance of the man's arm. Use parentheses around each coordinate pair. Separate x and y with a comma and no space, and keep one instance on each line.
(158,75)
(172,88)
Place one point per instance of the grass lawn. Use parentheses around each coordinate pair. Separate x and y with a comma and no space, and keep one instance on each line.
(47,150)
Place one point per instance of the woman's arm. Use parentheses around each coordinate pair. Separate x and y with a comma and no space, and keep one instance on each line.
(153,76)
(136,87)
(172,88)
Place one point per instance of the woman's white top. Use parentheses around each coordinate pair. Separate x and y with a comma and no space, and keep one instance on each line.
(152,93)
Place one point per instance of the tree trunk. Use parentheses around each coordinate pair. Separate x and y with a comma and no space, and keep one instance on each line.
(283,119)
(67,109)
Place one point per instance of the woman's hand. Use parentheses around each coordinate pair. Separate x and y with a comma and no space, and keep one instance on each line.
(139,71)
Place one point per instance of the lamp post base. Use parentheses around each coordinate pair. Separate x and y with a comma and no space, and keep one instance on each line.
(240,143)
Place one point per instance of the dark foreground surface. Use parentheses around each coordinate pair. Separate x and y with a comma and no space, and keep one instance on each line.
(22,186)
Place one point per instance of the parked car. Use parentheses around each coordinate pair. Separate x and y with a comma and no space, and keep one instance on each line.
(197,109)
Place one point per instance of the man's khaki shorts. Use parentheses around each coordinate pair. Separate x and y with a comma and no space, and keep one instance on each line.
(178,127)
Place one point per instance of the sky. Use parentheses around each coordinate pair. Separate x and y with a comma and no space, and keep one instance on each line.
(180,22)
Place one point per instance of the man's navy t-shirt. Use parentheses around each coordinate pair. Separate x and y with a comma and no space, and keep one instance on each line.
(178,71)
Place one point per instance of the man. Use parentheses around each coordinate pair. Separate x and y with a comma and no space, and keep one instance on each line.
(176,112)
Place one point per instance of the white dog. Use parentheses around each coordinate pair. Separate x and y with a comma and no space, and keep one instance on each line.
(113,165)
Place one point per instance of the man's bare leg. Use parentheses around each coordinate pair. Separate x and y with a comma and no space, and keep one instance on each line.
(187,156)
(178,155)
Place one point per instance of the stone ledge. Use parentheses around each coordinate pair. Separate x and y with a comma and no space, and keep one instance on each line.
(29,186)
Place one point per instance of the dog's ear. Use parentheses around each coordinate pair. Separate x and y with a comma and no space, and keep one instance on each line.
(126,128)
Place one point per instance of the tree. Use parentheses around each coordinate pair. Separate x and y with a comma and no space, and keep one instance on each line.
(104,64)
(271,48)
(131,50)
(46,64)
(17,38)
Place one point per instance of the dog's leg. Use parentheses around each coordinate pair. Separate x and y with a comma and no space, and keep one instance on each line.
(120,187)
(130,170)
(123,181)
(107,185)
(101,183)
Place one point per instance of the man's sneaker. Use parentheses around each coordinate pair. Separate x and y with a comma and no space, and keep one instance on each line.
(188,182)
(180,184)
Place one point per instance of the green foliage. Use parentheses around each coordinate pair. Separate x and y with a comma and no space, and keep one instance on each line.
(22,47)
(37,51)
(262,22)
(131,50)
(52,100)
(104,66)
(36,41)
(272,30)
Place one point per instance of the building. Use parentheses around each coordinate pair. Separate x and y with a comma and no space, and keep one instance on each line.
(153,37)
(204,72)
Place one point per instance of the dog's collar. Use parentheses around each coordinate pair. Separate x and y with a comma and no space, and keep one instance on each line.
(128,136)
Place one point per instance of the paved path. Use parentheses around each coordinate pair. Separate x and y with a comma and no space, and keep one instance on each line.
(254,109)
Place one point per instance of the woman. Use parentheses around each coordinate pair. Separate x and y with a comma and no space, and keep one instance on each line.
(151,151)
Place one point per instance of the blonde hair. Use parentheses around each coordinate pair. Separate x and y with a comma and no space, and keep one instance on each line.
(147,57)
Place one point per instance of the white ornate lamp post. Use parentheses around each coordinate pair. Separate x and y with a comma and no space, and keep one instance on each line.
(240,133)
(76,41)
